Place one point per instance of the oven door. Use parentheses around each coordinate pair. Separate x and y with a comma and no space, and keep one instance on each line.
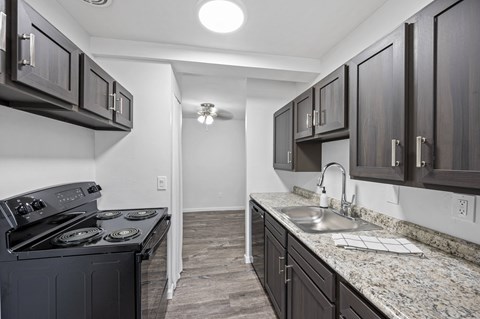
(152,274)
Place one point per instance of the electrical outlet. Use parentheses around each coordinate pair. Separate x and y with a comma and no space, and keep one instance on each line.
(463,207)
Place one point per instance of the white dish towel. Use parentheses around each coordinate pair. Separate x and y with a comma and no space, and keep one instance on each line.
(377,244)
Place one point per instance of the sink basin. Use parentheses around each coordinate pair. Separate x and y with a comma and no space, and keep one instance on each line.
(313,219)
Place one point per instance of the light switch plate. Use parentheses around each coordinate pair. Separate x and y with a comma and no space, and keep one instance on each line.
(161,183)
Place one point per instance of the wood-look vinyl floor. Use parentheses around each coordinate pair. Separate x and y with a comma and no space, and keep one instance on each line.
(216,282)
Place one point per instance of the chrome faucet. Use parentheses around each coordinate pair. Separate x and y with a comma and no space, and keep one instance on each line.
(344,203)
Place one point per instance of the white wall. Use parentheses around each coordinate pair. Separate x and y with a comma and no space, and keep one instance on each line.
(428,208)
(213,165)
(37,152)
(128,164)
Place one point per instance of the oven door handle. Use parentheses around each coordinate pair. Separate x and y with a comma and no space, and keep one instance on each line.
(145,255)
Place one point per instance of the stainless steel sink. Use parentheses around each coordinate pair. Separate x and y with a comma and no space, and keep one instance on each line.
(313,219)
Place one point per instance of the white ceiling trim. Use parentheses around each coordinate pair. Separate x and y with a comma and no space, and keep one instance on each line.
(215,62)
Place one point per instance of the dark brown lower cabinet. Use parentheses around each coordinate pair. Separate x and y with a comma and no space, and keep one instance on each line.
(352,306)
(275,255)
(300,285)
(304,298)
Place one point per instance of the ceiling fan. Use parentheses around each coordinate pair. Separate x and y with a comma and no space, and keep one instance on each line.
(208,112)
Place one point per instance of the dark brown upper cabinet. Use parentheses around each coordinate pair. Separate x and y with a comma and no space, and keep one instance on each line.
(378,109)
(283,138)
(303,115)
(331,111)
(289,155)
(96,89)
(100,94)
(447,105)
(42,57)
(123,106)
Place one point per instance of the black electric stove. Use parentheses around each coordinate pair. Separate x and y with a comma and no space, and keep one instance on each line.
(64,258)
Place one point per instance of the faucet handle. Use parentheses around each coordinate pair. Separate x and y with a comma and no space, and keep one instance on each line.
(353,199)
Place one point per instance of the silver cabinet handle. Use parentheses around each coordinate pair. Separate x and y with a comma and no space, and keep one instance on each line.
(3,31)
(280,270)
(323,117)
(114,107)
(315,118)
(30,37)
(286,273)
(420,140)
(395,143)
(309,120)
(289,157)
(121,105)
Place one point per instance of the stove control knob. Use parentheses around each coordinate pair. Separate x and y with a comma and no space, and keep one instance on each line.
(38,204)
(94,189)
(24,209)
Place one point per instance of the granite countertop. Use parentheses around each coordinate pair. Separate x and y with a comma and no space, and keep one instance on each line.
(401,286)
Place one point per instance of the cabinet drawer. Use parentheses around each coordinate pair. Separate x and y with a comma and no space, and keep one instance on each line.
(276,229)
(314,268)
(353,307)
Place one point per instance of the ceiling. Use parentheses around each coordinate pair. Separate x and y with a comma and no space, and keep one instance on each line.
(300,28)
(228,94)
(281,40)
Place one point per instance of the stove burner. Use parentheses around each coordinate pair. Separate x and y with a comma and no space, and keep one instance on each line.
(78,236)
(123,234)
(144,214)
(108,215)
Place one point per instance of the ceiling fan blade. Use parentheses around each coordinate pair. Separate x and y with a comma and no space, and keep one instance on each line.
(224,115)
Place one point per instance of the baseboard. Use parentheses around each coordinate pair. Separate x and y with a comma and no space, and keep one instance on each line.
(248,259)
(170,291)
(212,209)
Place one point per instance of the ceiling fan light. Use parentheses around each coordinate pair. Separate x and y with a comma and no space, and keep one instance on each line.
(209,120)
(201,119)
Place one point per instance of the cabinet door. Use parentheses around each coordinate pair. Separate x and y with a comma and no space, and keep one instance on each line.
(283,138)
(304,299)
(330,102)
(96,89)
(378,106)
(42,57)
(123,106)
(275,273)
(448,101)
(303,115)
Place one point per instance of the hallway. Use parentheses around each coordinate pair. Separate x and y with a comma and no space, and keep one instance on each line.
(216,283)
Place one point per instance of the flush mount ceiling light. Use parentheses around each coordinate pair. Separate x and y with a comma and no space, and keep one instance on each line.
(221,16)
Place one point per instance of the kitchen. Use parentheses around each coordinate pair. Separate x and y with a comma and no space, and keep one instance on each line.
(38,152)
